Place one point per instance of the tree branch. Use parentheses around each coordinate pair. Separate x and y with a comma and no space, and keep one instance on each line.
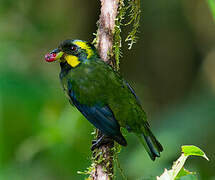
(106,27)
(102,166)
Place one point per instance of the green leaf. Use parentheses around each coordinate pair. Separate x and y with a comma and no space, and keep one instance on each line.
(184,172)
(212,7)
(189,150)
(178,172)
(188,177)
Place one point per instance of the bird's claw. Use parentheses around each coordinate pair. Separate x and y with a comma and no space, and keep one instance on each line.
(103,140)
(94,141)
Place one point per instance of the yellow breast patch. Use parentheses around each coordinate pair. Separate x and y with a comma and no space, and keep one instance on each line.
(72,60)
(84,46)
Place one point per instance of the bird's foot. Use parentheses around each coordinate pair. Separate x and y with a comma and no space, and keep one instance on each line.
(109,62)
(103,140)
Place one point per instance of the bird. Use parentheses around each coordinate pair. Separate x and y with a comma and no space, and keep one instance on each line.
(102,95)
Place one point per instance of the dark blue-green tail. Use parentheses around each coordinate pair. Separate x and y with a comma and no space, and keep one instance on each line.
(151,144)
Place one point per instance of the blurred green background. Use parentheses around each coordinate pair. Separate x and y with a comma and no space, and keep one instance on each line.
(171,68)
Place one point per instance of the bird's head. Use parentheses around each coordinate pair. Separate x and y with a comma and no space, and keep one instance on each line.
(74,52)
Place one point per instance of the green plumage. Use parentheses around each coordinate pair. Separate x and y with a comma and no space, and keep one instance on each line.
(95,82)
(96,89)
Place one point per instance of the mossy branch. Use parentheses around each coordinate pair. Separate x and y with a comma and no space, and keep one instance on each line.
(102,165)
(108,42)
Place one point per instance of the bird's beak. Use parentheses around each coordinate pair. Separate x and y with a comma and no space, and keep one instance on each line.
(54,55)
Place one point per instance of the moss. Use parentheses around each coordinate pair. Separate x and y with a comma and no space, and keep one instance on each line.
(132,8)
(134,15)
(117,33)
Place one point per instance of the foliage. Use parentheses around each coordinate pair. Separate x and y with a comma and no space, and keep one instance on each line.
(178,171)
(212,7)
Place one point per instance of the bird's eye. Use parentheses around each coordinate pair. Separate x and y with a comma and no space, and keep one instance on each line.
(73,48)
